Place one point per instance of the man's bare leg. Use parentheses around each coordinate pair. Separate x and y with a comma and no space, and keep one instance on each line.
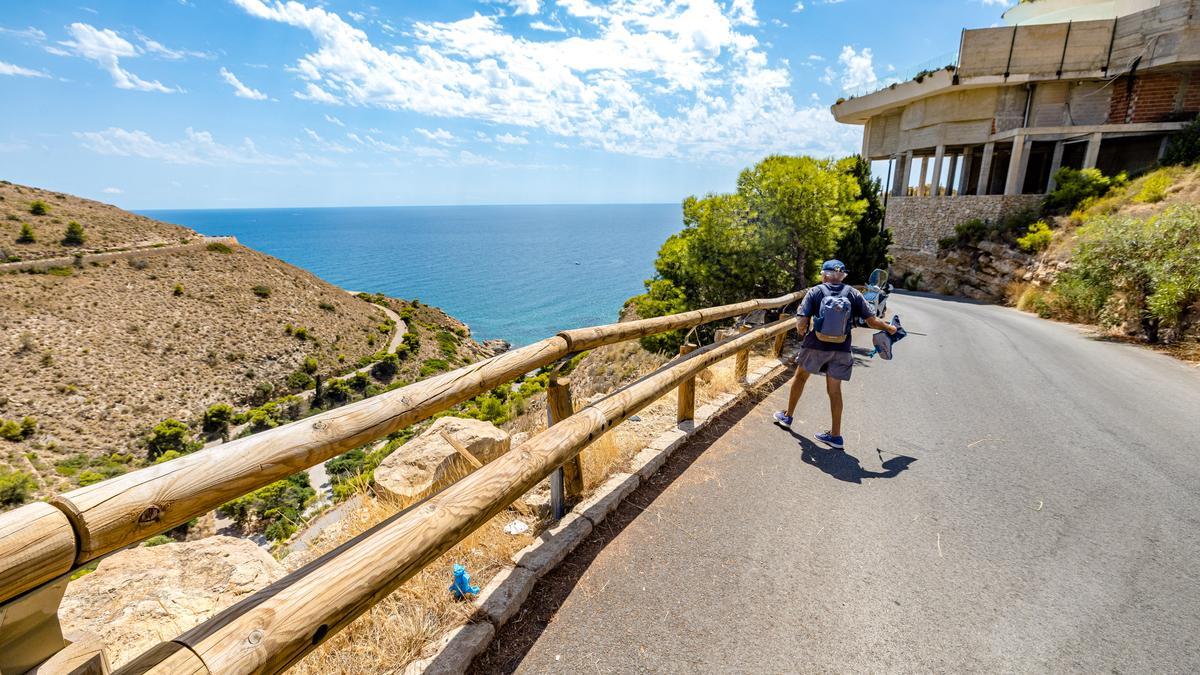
(797,389)
(834,387)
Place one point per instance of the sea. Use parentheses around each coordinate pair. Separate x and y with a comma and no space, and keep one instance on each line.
(517,273)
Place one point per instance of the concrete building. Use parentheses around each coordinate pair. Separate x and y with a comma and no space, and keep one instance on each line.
(1078,83)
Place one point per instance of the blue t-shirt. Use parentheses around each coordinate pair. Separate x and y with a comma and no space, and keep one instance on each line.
(811,307)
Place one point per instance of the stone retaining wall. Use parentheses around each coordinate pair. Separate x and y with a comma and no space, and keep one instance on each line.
(917,223)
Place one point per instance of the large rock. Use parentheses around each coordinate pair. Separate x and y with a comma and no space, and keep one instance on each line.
(428,463)
(142,596)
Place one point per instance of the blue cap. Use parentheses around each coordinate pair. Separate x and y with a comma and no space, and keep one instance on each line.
(833,266)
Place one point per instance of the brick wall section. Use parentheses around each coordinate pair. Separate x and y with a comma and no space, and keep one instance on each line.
(917,223)
(1157,97)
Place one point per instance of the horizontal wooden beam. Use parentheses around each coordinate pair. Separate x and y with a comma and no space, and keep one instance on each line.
(37,545)
(126,509)
(273,629)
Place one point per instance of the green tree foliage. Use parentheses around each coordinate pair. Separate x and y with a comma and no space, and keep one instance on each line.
(864,246)
(274,509)
(15,487)
(386,368)
(12,430)
(1037,239)
(217,419)
(170,434)
(27,235)
(1131,269)
(310,365)
(767,238)
(38,207)
(74,235)
(1184,147)
(1073,187)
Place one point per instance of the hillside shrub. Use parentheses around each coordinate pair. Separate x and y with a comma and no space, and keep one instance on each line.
(1037,239)
(1184,147)
(1073,187)
(12,430)
(359,382)
(169,434)
(74,235)
(448,343)
(15,487)
(300,334)
(300,380)
(262,292)
(178,290)
(38,207)
(27,235)
(338,391)
(310,364)
(1154,188)
(432,366)
(1128,269)
(412,341)
(217,419)
(386,368)
(218,247)
(88,477)
(274,509)
(327,306)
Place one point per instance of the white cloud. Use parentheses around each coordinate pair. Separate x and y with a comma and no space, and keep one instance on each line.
(525,6)
(29,34)
(510,139)
(11,69)
(240,90)
(438,135)
(107,48)
(333,120)
(858,70)
(996,3)
(112,191)
(542,25)
(799,7)
(154,47)
(196,147)
(357,16)
(652,80)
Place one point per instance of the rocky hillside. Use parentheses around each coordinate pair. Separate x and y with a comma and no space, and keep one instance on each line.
(95,354)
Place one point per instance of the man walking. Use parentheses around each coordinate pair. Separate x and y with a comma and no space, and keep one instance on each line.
(829,309)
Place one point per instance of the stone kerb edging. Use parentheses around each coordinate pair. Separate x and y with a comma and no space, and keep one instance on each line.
(504,595)
(67,261)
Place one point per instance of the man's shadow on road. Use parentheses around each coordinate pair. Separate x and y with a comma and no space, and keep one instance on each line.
(846,467)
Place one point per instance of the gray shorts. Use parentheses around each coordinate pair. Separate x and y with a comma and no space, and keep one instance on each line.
(820,362)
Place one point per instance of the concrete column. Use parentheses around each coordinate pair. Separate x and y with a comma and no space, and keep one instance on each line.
(965,178)
(1055,165)
(1093,151)
(897,173)
(985,168)
(935,185)
(908,164)
(924,175)
(949,188)
(1017,165)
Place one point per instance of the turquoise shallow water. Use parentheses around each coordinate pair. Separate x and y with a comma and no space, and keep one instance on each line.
(520,273)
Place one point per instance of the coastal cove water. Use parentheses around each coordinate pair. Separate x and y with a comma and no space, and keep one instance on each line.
(519,273)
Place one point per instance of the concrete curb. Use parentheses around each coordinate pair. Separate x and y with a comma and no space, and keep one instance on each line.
(504,595)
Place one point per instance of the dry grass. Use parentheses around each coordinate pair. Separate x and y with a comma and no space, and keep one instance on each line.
(400,628)
(397,629)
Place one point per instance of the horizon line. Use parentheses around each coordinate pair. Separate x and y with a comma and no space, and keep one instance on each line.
(395,206)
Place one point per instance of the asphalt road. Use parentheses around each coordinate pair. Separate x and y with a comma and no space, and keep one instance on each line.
(1015,496)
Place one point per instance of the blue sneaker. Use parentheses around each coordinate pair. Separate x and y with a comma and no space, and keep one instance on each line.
(829,439)
(783,419)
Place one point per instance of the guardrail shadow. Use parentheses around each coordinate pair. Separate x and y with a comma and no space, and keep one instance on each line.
(513,642)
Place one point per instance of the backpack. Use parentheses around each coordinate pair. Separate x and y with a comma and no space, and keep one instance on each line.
(833,319)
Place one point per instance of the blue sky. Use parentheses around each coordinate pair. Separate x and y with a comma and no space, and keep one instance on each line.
(249,103)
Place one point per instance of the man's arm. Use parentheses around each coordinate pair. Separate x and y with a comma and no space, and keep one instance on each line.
(875,322)
(802,325)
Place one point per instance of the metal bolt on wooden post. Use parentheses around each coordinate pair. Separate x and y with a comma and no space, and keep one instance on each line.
(741,363)
(687,390)
(780,339)
(566,485)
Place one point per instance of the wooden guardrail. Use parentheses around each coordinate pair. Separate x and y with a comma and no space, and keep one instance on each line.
(275,627)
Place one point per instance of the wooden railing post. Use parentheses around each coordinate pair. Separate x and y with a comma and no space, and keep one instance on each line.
(687,390)
(741,363)
(780,339)
(566,484)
